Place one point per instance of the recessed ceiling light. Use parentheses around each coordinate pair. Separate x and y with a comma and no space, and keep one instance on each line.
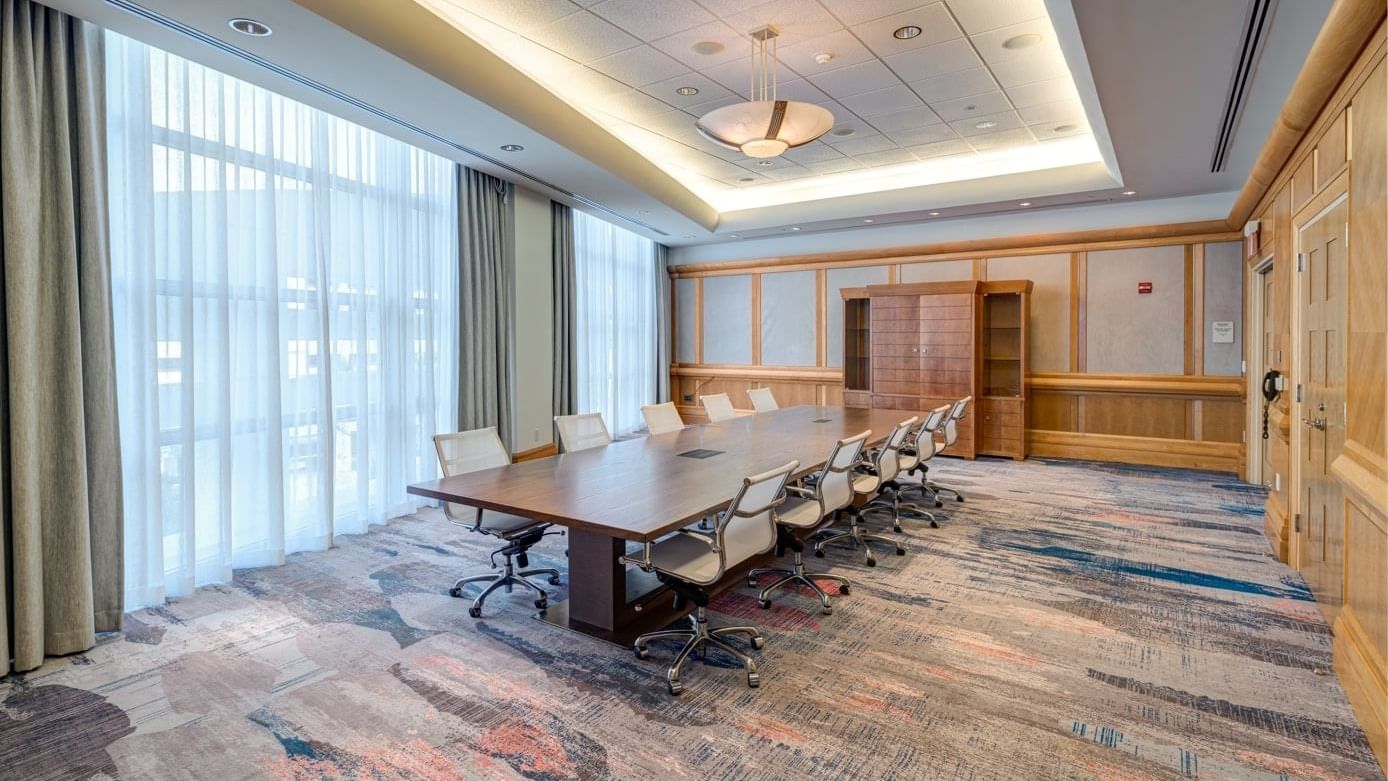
(747,179)
(1130,192)
(733,236)
(764,163)
(512,148)
(823,57)
(707,47)
(689,235)
(934,214)
(795,227)
(985,124)
(906,33)
(645,211)
(1021,41)
(970,107)
(1024,203)
(842,132)
(869,219)
(1063,128)
(687,91)
(250,27)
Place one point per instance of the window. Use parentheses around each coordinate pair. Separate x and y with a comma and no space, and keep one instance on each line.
(616,282)
(284,292)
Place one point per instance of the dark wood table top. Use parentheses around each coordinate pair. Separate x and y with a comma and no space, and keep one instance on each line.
(641,489)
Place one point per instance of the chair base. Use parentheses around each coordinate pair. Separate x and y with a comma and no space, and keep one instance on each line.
(938,489)
(506,578)
(855,536)
(699,635)
(797,574)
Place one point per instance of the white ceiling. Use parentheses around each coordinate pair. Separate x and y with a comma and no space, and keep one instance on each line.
(907,111)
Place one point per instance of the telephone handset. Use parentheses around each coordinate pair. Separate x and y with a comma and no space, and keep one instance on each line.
(1272,388)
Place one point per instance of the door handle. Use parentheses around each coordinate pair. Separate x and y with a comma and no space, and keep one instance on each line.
(1317,423)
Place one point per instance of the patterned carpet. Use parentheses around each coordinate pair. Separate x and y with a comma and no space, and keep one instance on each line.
(1071,620)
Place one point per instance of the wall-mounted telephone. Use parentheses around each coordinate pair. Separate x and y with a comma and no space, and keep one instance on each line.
(1273,383)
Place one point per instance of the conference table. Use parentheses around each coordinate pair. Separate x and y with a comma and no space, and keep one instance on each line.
(638,490)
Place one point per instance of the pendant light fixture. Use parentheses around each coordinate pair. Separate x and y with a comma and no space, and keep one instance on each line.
(765,126)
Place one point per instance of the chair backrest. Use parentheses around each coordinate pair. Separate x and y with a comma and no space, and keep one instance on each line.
(762,400)
(956,413)
(580,432)
(887,462)
(718,406)
(835,486)
(926,446)
(748,522)
(469,451)
(662,418)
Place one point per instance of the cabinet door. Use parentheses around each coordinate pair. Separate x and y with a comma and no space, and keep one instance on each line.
(896,345)
(1002,426)
(947,345)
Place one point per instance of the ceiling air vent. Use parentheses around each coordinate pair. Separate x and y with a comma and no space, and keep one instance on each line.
(1257,22)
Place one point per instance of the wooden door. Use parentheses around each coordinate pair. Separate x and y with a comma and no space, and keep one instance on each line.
(895,351)
(948,323)
(1323,245)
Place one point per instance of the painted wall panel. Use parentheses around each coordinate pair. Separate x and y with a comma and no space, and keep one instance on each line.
(836,279)
(1131,333)
(685,338)
(939,271)
(1224,302)
(788,319)
(728,319)
(1048,335)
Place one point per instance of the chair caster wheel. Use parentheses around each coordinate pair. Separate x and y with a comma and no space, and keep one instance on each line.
(455,592)
(872,562)
(753,680)
(934,525)
(542,604)
(939,503)
(764,603)
(758,642)
(901,551)
(827,610)
(642,653)
(819,554)
(845,589)
(897,529)
(675,687)
(475,612)
(554,580)
(958,498)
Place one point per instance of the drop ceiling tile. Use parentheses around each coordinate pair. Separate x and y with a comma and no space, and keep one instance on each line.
(937,26)
(1006,120)
(866,145)
(679,45)
(1057,112)
(1005,139)
(972,106)
(583,37)
(797,20)
(652,19)
(801,90)
(847,50)
(860,127)
(974,81)
(665,90)
(1036,65)
(977,16)
(990,44)
(852,12)
(781,173)
(523,16)
(734,74)
(755,165)
(640,66)
(883,101)
(1048,131)
(700,109)
(833,166)
(1038,92)
(923,135)
(934,60)
(815,152)
(955,146)
(886,157)
(905,120)
(638,107)
(855,79)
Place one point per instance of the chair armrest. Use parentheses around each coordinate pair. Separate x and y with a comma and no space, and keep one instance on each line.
(801,492)
(708,539)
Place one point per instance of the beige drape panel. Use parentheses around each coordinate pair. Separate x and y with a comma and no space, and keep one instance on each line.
(60,482)
(565,307)
(486,276)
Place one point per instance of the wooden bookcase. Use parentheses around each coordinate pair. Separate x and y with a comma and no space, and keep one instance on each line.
(923,345)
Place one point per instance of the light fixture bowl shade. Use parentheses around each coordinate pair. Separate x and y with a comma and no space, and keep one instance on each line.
(747,126)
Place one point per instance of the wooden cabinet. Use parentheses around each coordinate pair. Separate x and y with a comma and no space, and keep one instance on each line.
(915,347)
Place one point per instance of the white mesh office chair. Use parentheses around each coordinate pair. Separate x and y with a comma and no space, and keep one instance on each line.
(718,407)
(580,432)
(807,510)
(876,478)
(920,448)
(763,400)
(662,418)
(690,560)
(951,435)
(472,451)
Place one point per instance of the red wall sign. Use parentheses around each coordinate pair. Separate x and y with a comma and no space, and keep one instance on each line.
(1144,288)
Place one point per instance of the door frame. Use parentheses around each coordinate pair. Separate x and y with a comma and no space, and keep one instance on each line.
(1322,205)
(1257,309)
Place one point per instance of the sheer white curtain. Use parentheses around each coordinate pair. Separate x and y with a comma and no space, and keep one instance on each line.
(284,289)
(616,321)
